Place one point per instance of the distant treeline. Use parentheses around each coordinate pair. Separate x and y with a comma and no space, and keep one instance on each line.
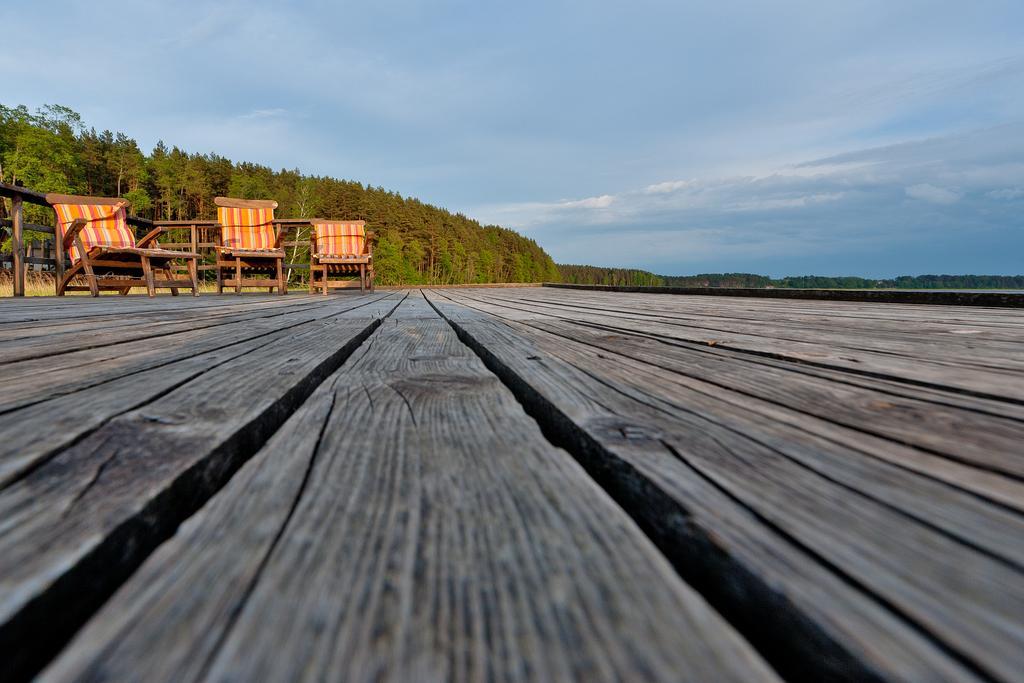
(52,151)
(592,275)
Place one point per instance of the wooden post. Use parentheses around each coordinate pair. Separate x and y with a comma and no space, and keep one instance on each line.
(194,234)
(17,247)
(58,255)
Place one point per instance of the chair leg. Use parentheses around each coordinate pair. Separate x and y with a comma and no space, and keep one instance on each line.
(238,276)
(125,290)
(193,275)
(312,277)
(282,288)
(220,279)
(362,278)
(147,271)
(323,277)
(94,288)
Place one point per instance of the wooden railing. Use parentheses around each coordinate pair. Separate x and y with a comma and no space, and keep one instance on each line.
(16,224)
(49,252)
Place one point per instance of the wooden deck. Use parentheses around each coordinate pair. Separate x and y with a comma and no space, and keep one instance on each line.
(510,484)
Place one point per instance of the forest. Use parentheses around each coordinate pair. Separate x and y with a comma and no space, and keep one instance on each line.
(52,150)
(592,275)
(595,275)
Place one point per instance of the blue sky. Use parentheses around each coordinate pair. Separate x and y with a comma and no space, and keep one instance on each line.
(828,137)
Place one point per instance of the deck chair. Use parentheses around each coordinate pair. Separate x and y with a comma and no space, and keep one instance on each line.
(249,245)
(103,249)
(340,248)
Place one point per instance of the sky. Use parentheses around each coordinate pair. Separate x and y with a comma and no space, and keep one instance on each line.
(852,137)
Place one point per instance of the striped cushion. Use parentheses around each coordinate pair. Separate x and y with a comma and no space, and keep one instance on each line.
(247,228)
(337,239)
(107,227)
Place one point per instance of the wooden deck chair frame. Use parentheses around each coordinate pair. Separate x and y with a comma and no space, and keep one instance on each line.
(113,268)
(234,264)
(324,265)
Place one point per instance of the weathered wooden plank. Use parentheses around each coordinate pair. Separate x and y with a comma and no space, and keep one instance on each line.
(39,333)
(32,380)
(978,447)
(999,384)
(82,312)
(410,522)
(51,409)
(912,344)
(47,340)
(34,310)
(799,561)
(958,326)
(74,528)
(1012,300)
(972,328)
(805,316)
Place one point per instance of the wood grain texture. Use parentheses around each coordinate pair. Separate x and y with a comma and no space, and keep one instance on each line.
(766,488)
(52,402)
(73,528)
(20,343)
(409,522)
(964,441)
(1012,300)
(245,203)
(999,378)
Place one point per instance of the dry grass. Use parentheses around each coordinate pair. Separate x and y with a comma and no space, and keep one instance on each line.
(36,284)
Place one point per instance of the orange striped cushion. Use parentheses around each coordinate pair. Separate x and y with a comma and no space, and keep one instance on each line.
(107,227)
(247,228)
(340,238)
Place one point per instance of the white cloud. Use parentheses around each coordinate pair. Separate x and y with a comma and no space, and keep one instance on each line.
(668,186)
(1007,193)
(602,202)
(785,202)
(265,114)
(929,193)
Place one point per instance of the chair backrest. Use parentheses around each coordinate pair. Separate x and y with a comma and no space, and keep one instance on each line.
(339,238)
(246,223)
(107,221)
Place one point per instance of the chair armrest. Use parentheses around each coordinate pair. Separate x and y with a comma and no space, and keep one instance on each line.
(150,237)
(282,232)
(72,234)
